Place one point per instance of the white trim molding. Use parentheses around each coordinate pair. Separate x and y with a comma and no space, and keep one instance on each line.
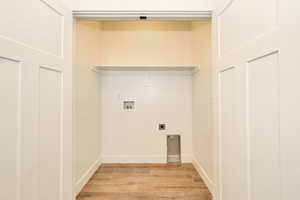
(143,15)
(185,158)
(207,180)
(84,179)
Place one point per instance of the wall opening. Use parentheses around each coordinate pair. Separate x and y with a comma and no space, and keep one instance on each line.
(132,76)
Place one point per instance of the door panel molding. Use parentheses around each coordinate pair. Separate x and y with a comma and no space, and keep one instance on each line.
(263,150)
(11,109)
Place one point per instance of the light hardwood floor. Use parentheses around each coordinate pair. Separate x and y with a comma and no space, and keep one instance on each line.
(145,182)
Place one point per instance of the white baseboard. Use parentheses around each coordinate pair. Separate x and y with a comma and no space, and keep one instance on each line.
(142,159)
(86,176)
(207,180)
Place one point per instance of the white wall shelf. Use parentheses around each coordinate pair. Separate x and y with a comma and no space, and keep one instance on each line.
(145,68)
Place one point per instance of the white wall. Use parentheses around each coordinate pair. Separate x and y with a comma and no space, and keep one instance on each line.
(87,130)
(161,96)
(161,5)
(146,43)
(202,103)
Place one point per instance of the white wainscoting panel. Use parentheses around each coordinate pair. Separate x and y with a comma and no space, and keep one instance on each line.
(238,25)
(263,128)
(10,94)
(35,109)
(50,136)
(232,170)
(35,23)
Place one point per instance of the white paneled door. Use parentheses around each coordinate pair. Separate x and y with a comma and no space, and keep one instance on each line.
(258,67)
(35,101)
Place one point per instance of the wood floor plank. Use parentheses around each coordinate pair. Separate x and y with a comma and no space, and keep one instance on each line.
(145,182)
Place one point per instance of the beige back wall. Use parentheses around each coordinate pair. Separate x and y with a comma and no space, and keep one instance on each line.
(146,43)
(203,139)
(87,110)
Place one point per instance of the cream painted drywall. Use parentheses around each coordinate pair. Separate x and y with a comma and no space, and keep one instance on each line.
(161,97)
(147,43)
(154,5)
(202,102)
(87,130)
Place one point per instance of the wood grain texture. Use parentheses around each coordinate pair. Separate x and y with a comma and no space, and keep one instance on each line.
(145,182)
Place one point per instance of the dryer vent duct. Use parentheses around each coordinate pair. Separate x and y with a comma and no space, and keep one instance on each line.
(173,149)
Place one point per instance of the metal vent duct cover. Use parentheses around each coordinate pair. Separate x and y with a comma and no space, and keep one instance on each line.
(173,149)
